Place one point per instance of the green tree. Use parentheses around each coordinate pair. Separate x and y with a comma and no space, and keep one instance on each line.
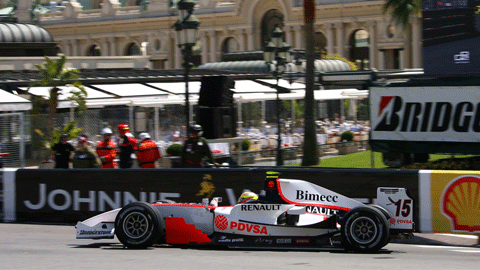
(401,10)
(54,74)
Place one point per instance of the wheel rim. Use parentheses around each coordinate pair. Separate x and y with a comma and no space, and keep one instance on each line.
(135,225)
(364,230)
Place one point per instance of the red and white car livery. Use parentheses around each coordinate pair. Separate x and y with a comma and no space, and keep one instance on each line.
(291,214)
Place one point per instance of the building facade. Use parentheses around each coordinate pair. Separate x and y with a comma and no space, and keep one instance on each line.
(354,29)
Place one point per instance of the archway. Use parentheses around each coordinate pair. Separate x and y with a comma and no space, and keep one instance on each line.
(96,4)
(230,45)
(270,20)
(320,42)
(132,49)
(94,50)
(359,52)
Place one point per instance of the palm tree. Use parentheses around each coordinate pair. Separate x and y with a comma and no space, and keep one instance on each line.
(54,74)
(310,151)
(401,10)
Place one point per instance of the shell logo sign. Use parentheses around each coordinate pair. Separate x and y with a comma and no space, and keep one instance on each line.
(460,203)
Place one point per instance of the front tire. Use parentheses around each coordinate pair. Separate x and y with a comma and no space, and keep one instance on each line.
(139,225)
(364,229)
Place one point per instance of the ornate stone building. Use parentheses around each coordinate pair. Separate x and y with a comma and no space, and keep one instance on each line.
(354,29)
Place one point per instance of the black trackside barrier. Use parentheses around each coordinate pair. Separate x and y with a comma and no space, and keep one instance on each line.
(71,195)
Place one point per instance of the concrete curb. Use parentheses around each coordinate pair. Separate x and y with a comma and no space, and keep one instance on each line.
(441,239)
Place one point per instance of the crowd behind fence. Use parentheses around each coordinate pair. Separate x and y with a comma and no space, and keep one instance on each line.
(30,151)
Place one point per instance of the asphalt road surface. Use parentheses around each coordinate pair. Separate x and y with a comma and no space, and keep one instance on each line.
(31,246)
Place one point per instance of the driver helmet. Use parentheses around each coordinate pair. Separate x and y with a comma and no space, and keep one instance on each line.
(123,128)
(195,129)
(247,196)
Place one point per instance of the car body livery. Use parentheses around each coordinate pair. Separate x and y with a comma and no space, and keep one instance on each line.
(291,214)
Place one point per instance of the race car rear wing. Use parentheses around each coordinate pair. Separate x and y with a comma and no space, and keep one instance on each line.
(400,205)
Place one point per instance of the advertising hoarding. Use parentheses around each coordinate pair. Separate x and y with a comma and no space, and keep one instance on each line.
(451,34)
(436,114)
(454,203)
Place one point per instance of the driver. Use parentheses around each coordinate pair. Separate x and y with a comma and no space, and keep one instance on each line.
(248,197)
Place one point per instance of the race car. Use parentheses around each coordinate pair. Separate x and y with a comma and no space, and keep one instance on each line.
(289,214)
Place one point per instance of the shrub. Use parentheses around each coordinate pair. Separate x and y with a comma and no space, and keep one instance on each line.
(245,145)
(347,136)
(175,150)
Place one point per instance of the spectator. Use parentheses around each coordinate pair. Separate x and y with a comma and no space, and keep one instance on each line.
(356,127)
(63,150)
(2,154)
(195,149)
(127,146)
(326,120)
(85,157)
(107,150)
(148,152)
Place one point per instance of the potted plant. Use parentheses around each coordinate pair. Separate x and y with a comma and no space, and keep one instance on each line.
(347,145)
(173,158)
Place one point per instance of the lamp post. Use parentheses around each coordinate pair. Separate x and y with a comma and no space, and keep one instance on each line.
(187,35)
(277,56)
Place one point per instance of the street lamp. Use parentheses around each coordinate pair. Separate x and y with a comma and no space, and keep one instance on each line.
(277,56)
(187,35)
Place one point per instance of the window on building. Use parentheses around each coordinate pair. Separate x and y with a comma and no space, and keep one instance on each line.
(230,46)
(94,50)
(270,20)
(133,49)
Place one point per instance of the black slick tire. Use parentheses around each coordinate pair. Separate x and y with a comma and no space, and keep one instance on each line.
(139,225)
(364,229)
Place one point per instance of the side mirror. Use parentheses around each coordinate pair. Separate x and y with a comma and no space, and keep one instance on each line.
(214,202)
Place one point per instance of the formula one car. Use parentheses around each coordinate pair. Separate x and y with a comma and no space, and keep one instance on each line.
(291,214)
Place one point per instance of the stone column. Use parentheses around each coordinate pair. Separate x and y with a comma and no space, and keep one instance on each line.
(104,47)
(417,60)
(372,46)
(68,48)
(112,51)
(250,40)
(330,38)
(339,32)
(213,47)
(241,40)
(178,57)
(381,59)
(75,47)
(204,55)
(401,58)
(289,35)
(298,37)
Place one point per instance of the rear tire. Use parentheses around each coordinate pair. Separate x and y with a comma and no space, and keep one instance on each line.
(364,229)
(139,225)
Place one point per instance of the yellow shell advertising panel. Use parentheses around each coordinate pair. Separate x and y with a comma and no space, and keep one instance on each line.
(455,201)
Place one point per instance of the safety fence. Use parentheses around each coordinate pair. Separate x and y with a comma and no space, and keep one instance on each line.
(18,134)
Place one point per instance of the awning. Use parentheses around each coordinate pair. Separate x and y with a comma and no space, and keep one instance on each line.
(160,94)
(349,93)
(65,94)
(283,83)
(12,102)
(179,87)
(130,90)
